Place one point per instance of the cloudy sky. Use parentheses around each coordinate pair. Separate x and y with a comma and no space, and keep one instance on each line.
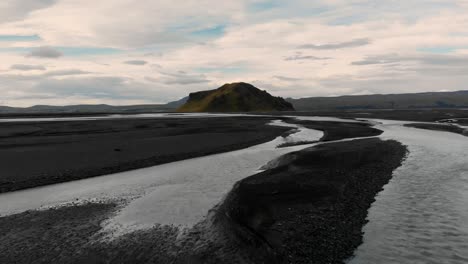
(140,51)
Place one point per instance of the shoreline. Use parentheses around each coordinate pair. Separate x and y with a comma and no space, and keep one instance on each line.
(311,209)
(318,194)
(38,154)
(451,128)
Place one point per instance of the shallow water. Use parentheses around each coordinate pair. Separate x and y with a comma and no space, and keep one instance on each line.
(421,216)
(327,119)
(158,115)
(179,193)
(118,116)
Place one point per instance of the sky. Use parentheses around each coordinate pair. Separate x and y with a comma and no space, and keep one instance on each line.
(121,52)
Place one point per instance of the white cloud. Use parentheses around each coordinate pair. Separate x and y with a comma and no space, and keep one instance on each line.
(294,48)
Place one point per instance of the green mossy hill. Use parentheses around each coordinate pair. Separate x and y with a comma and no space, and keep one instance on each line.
(235,97)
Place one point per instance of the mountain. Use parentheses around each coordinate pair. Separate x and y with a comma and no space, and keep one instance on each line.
(457,99)
(178,103)
(244,97)
(234,97)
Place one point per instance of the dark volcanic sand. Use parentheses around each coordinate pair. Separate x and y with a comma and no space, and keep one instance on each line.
(440,127)
(41,153)
(423,115)
(340,130)
(333,130)
(310,209)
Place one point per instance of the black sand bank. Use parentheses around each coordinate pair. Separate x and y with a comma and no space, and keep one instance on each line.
(309,209)
(312,207)
(440,127)
(41,153)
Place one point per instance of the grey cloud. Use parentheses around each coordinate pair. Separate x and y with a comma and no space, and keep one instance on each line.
(18,9)
(445,60)
(288,79)
(182,78)
(40,77)
(24,67)
(98,87)
(45,52)
(38,89)
(144,35)
(299,56)
(151,79)
(428,59)
(65,72)
(380,59)
(367,62)
(136,62)
(419,80)
(331,46)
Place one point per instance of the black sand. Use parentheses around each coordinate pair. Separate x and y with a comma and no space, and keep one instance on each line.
(41,153)
(440,127)
(312,207)
(423,115)
(340,130)
(309,209)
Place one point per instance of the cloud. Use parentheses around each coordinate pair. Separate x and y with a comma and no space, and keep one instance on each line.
(340,45)
(388,84)
(369,42)
(45,52)
(287,79)
(65,73)
(24,67)
(43,76)
(11,10)
(136,62)
(182,78)
(428,59)
(19,38)
(82,89)
(299,56)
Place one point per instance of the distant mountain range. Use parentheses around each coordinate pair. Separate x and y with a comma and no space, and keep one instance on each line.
(245,97)
(235,97)
(457,99)
(101,108)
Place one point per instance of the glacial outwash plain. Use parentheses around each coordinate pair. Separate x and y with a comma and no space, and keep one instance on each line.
(235,175)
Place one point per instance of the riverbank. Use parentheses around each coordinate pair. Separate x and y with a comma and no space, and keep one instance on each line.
(440,127)
(310,209)
(41,153)
(48,152)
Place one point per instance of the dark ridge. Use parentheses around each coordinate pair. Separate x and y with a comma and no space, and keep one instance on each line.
(457,99)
